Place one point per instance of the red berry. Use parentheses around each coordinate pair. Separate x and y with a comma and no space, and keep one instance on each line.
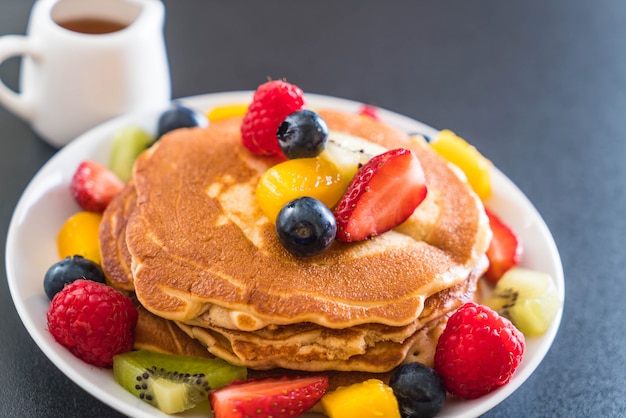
(271,397)
(505,249)
(382,195)
(369,111)
(478,351)
(271,104)
(94,185)
(92,320)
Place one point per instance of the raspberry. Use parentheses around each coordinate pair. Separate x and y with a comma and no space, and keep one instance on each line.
(92,320)
(271,104)
(478,351)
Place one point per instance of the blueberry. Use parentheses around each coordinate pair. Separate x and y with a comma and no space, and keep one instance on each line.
(426,137)
(419,389)
(303,134)
(69,270)
(179,116)
(306,227)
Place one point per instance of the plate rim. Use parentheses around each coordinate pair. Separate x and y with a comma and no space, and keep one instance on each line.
(202,102)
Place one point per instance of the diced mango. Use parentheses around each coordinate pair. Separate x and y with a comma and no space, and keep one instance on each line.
(369,399)
(291,179)
(79,236)
(226,111)
(476,167)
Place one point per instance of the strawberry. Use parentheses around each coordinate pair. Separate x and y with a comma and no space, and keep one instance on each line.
(382,195)
(505,249)
(94,185)
(370,111)
(269,397)
(271,104)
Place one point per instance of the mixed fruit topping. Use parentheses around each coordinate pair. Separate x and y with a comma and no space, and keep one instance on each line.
(370,193)
(271,104)
(325,187)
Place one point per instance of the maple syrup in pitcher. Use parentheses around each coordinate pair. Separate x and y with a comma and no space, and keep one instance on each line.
(92,25)
(74,77)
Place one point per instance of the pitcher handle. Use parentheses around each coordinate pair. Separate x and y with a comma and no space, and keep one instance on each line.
(13,46)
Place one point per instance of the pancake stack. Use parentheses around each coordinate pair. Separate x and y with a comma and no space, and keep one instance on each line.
(189,239)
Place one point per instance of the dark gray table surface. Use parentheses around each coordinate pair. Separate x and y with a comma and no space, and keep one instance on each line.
(538,86)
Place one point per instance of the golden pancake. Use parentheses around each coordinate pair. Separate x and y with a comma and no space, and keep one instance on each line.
(198,240)
(163,336)
(368,347)
(116,259)
(189,237)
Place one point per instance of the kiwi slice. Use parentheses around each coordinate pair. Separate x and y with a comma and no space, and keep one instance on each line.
(528,298)
(172,383)
(128,143)
(348,153)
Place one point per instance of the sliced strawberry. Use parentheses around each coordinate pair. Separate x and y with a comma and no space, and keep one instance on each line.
(271,104)
(270,397)
(505,249)
(382,195)
(94,185)
(370,111)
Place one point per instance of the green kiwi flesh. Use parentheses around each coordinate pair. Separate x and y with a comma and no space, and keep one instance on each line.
(172,383)
(128,143)
(348,153)
(528,298)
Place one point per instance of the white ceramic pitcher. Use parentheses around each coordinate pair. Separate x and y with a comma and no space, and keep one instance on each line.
(72,80)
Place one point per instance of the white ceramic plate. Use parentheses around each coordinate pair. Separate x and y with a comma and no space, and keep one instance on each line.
(46,204)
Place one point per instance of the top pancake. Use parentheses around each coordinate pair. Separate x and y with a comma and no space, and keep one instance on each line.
(199,241)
